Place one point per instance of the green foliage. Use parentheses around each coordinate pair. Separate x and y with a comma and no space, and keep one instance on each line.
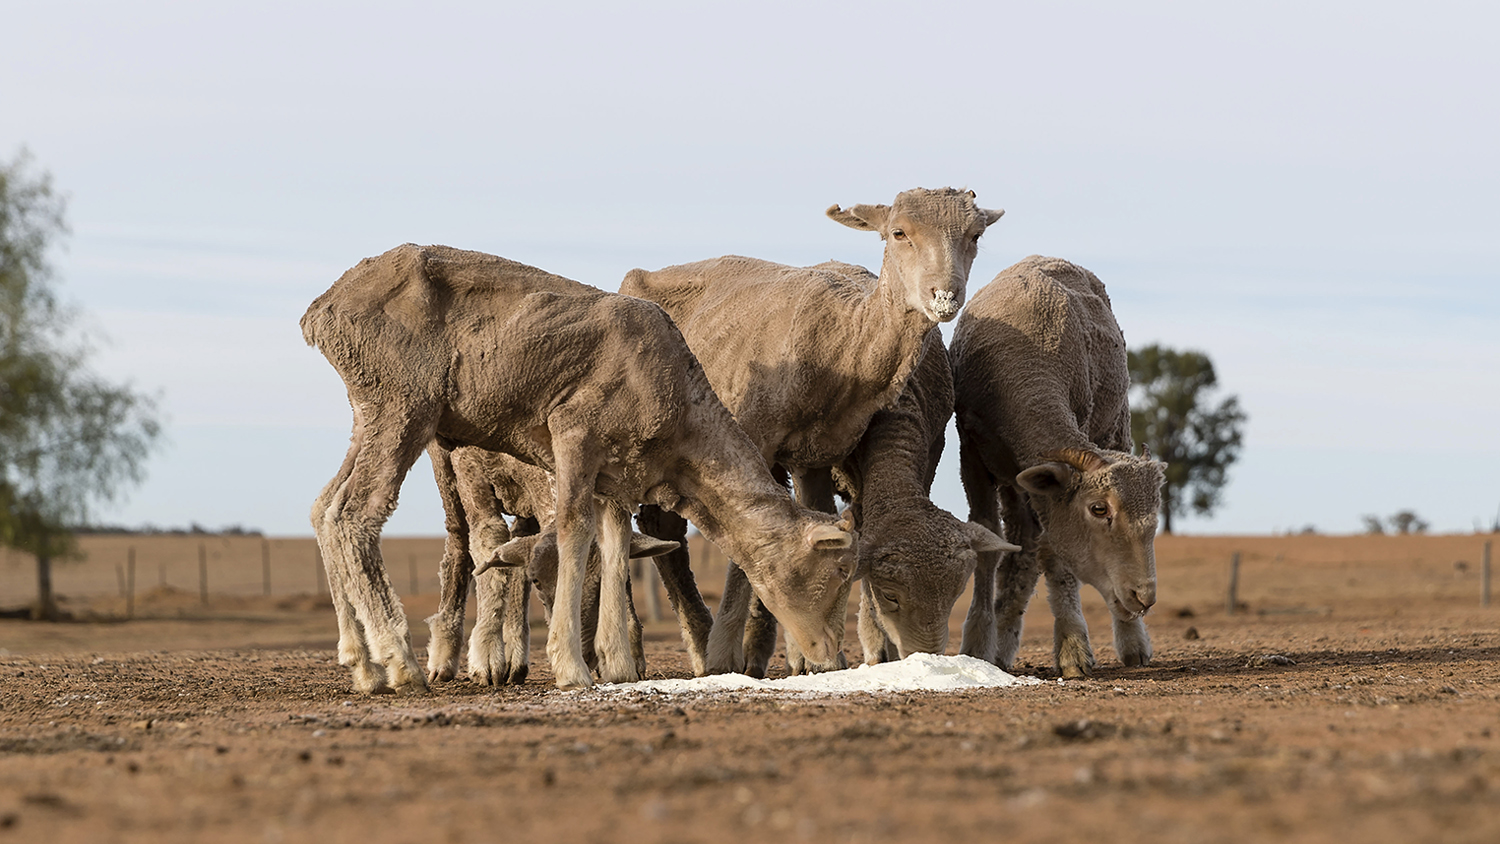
(1172,415)
(68,439)
(1402,522)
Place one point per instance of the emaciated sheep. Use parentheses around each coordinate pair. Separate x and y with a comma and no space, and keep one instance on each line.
(1044,427)
(804,357)
(598,389)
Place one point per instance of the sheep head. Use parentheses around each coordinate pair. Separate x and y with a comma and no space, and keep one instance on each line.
(915,563)
(1099,512)
(931,238)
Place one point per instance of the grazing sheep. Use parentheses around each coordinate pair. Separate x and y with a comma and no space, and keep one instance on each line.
(804,357)
(478,488)
(598,389)
(1044,425)
(915,558)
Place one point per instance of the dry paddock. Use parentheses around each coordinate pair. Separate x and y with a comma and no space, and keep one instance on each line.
(1355,695)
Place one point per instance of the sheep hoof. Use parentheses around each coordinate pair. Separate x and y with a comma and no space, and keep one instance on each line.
(1075,661)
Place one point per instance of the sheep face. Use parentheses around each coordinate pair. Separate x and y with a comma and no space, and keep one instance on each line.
(798,576)
(931,238)
(915,565)
(1100,523)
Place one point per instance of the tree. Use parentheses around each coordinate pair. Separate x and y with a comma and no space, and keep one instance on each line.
(1172,416)
(68,438)
(1407,521)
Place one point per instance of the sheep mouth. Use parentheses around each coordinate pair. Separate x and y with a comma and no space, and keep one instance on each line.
(943,307)
(1128,611)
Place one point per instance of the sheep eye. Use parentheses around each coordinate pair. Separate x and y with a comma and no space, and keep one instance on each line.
(1100,510)
(898,234)
(890,598)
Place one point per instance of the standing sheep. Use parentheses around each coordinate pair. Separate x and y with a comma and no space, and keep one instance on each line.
(804,357)
(598,389)
(1044,431)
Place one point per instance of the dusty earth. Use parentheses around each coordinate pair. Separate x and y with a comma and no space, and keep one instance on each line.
(1355,696)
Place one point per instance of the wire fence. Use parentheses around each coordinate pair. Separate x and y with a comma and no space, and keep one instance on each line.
(129,566)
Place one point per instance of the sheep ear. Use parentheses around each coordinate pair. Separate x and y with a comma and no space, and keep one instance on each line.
(991,216)
(827,537)
(642,545)
(512,554)
(1046,478)
(869,218)
(982,539)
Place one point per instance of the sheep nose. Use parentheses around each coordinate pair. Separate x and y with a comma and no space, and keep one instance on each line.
(944,304)
(1146,597)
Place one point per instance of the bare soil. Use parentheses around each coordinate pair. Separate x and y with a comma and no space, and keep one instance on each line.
(1354,696)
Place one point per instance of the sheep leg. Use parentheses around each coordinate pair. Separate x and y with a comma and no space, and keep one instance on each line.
(1017,574)
(979,631)
(612,642)
(693,615)
(760,640)
(637,630)
(726,648)
(517,624)
(1070,634)
(353,654)
(517,627)
(590,611)
(575,539)
(487,640)
(454,574)
(1132,642)
(351,530)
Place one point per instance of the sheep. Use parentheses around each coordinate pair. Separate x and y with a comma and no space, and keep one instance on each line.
(915,558)
(599,389)
(804,357)
(1043,417)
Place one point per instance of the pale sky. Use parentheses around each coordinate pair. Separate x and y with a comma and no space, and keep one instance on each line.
(1305,191)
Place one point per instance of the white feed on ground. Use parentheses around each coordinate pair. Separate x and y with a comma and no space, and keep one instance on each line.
(918,672)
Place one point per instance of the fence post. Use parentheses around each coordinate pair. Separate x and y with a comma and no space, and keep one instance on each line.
(1484,576)
(130,582)
(202,573)
(1234,584)
(265,566)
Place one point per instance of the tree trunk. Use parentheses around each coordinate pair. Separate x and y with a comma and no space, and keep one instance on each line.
(45,608)
(1166,509)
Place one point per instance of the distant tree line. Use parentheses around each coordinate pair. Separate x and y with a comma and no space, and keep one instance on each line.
(193,529)
(1401,522)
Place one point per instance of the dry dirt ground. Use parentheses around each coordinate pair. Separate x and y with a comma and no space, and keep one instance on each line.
(1354,697)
